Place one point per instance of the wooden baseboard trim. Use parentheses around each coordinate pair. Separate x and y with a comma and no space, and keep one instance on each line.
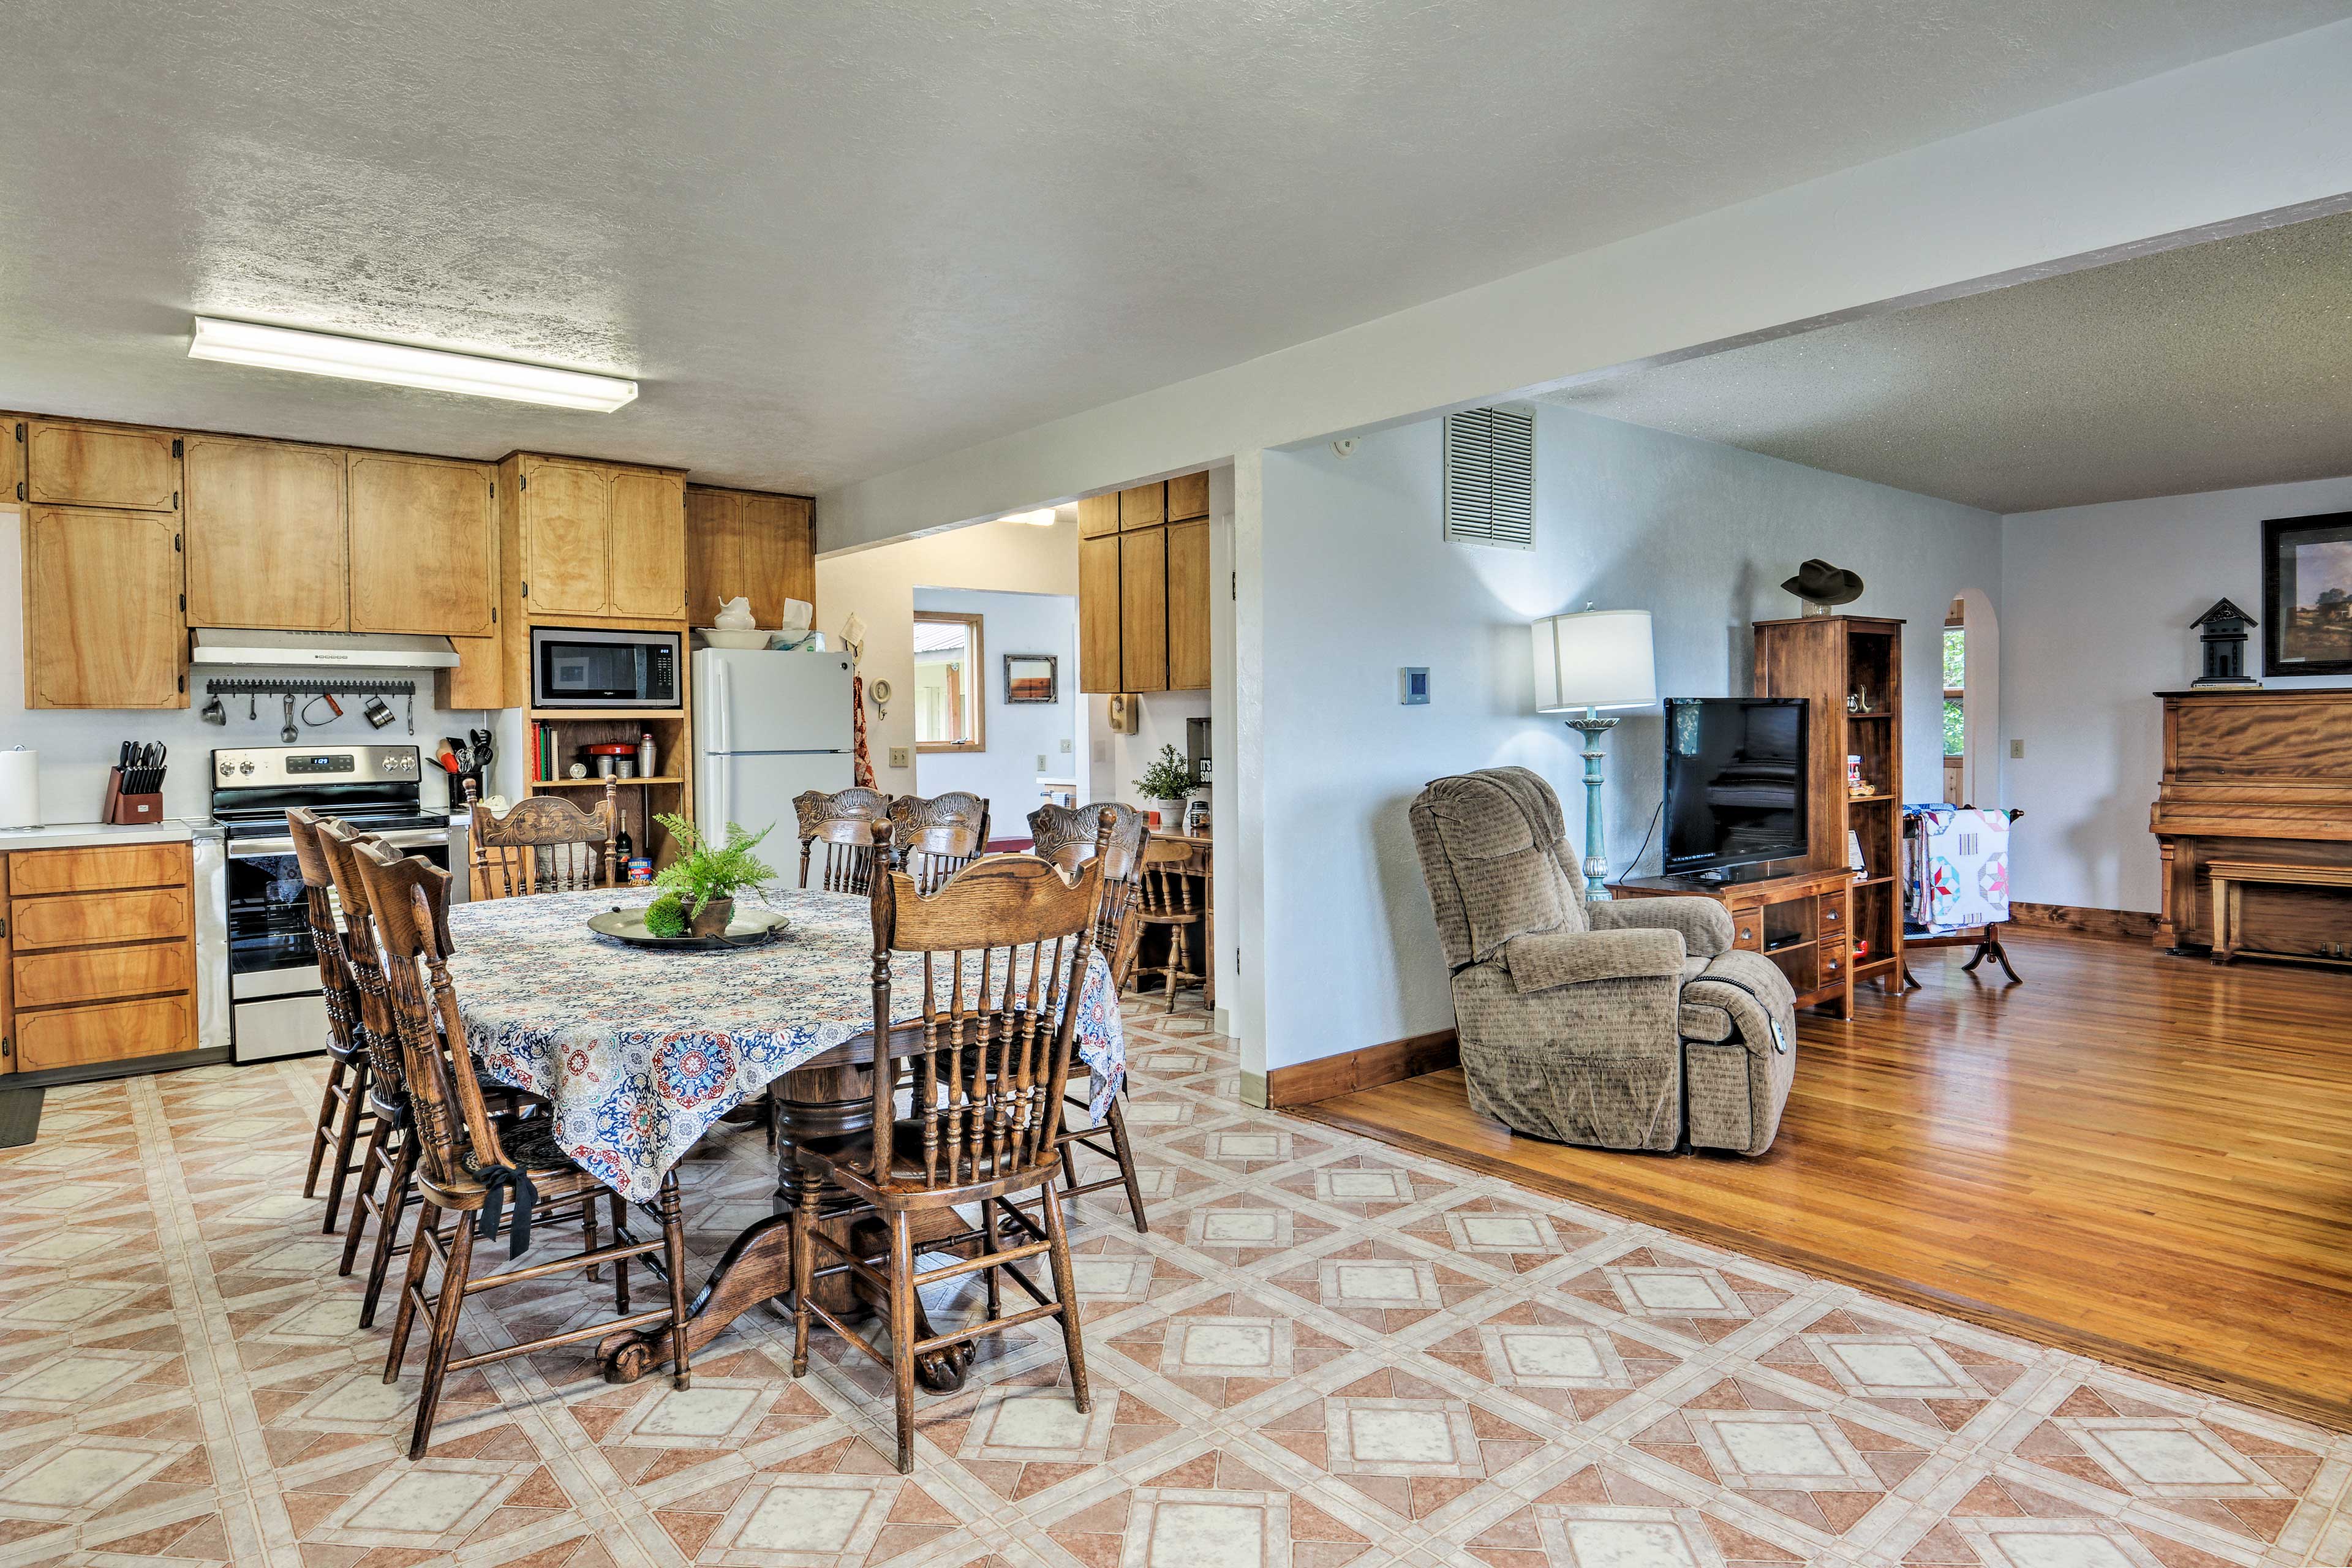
(2294,1402)
(2122,925)
(1303,1083)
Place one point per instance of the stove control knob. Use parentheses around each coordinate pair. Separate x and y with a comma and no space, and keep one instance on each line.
(244,767)
(225,770)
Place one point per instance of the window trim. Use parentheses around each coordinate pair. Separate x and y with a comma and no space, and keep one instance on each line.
(972,625)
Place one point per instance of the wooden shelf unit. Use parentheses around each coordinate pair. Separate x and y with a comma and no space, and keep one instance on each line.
(1825,659)
(670,791)
(1799,921)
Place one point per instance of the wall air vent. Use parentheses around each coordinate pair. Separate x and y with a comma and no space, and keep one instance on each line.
(1490,478)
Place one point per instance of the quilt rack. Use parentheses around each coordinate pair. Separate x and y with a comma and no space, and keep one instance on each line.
(1986,937)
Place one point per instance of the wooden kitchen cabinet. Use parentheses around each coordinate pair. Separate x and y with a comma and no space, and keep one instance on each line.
(267,542)
(105,622)
(645,574)
(1098,612)
(98,961)
(747,542)
(123,468)
(1188,604)
(1144,589)
(1143,610)
(424,553)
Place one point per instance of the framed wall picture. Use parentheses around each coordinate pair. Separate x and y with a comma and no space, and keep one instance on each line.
(2307,594)
(1032,678)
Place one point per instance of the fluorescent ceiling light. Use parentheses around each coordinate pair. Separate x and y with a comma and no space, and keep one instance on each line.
(398,365)
(1042,518)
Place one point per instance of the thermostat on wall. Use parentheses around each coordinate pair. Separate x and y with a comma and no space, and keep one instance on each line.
(1413,685)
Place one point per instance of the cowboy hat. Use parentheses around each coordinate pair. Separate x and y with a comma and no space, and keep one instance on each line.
(1824,584)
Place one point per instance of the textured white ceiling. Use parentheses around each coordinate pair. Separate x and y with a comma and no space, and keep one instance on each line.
(834,238)
(2203,368)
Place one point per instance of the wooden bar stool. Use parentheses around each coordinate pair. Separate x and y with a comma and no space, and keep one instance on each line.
(1163,897)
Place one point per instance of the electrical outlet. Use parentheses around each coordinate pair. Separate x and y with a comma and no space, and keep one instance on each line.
(900,757)
(2016,750)
(1065,742)
(1041,762)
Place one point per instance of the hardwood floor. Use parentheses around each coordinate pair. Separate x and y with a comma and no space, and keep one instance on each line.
(2141,1158)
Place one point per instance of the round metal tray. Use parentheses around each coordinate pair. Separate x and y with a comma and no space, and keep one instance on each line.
(750,928)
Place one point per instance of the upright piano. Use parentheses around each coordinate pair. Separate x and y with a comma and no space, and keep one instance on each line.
(2256,776)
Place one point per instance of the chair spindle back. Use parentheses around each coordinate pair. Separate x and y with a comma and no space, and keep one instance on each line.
(544,845)
(844,823)
(1065,836)
(335,985)
(936,837)
(339,845)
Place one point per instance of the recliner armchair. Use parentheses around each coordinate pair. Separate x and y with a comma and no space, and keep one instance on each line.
(1631,1025)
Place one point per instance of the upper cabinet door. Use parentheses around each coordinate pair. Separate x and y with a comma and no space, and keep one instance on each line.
(1098,615)
(749,544)
(424,553)
(103,626)
(1098,515)
(567,530)
(1143,610)
(647,519)
(1188,604)
(1188,497)
(1145,506)
(71,464)
(267,541)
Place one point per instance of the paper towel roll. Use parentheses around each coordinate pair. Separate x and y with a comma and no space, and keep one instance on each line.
(20,788)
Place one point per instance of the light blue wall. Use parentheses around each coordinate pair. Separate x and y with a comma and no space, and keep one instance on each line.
(1006,774)
(1361,583)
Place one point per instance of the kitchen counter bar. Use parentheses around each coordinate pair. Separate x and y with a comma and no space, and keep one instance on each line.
(77,835)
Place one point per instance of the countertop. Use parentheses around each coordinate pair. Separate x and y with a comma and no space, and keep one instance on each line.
(77,835)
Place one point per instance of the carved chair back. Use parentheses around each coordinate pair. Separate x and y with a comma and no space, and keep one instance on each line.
(936,837)
(844,824)
(335,987)
(544,845)
(410,898)
(1065,835)
(1002,954)
(339,845)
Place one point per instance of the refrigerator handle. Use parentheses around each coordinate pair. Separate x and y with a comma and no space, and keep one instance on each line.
(721,703)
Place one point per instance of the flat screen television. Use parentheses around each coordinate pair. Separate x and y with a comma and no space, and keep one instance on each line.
(1734,781)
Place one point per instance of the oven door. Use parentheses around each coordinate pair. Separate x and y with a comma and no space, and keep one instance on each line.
(273,966)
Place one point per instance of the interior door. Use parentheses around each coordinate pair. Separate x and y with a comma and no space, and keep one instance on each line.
(423,545)
(104,624)
(268,545)
(647,519)
(567,538)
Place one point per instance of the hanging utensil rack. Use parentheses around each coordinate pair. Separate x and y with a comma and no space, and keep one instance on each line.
(308,687)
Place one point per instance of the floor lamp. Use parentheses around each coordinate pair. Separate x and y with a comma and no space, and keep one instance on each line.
(1594,660)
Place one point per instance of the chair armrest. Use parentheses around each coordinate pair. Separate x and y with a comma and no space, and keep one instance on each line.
(1703,924)
(1549,959)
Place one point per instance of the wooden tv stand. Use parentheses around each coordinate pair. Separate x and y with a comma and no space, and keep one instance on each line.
(1799,920)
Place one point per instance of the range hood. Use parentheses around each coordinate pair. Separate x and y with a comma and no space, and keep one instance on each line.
(336,650)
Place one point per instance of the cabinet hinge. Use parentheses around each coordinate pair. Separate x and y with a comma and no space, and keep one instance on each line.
(20,432)
(7,1048)
(175,500)
(4,928)
(522,482)
(20,490)
(183,604)
(526,588)
(1233,591)
(175,544)
(184,680)
(178,447)
(494,614)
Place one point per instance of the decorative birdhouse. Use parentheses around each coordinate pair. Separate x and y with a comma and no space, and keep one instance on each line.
(2221,639)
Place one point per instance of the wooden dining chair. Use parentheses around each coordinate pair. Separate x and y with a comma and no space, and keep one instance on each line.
(544,845)
(1163,898)
(1065,839)
(391,1149)
(342,1107)
(936,836)
(997,959)
(483,1172)
(844,823)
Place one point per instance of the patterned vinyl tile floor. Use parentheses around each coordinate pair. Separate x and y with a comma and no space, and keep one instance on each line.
(1325,1355)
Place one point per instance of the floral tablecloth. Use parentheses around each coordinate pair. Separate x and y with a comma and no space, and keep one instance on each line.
(640,1050)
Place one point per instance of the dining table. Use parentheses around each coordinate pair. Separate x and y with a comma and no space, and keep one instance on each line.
(640,1051)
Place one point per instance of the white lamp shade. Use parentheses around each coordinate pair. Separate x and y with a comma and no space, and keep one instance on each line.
(1596,658)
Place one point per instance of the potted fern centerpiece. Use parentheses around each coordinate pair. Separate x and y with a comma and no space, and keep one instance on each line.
(1167,783)
(698,889)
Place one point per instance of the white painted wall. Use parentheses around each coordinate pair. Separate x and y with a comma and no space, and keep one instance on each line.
(77,746)
(1006,773)
(879,584)
(1700,535)
(2094,611)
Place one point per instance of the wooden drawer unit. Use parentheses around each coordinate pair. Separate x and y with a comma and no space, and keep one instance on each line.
(36,873)
(103,973)
(88,919)
(78,1036)
(96,955)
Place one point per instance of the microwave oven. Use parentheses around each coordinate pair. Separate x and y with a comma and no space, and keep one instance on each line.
(580,668)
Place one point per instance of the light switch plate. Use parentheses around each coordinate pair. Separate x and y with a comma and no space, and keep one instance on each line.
(2016,750)
(900,757)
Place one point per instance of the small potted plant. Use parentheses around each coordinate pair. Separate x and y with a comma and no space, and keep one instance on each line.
(1167,783)
(698,889)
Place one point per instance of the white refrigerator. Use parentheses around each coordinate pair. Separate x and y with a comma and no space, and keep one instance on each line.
(767,726)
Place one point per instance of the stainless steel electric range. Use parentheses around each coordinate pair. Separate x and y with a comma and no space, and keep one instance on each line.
(273,998)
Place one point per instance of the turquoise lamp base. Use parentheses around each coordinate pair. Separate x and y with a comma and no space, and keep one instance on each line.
(1592,726)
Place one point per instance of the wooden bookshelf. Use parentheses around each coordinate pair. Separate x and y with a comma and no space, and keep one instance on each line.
(1827,658)
(668,792)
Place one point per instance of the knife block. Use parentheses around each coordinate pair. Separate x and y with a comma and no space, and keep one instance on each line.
(129,810)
